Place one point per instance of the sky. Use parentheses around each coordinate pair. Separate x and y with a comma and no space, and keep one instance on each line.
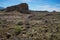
(43,5)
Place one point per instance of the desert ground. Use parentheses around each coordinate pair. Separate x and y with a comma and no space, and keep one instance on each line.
(37,25)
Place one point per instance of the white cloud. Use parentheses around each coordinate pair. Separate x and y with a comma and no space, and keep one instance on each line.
(46,7)
(58,5)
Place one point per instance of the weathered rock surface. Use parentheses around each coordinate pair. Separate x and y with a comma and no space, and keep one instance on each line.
(23,8)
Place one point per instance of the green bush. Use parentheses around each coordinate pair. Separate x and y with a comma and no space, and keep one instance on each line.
(17,30)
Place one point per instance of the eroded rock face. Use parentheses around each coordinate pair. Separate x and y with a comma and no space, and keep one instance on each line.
(23,8)
(9,9)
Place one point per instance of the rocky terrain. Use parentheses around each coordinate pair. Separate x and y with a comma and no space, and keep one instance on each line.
(19,23)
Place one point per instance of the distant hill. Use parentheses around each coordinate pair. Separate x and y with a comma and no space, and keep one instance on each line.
(1,7)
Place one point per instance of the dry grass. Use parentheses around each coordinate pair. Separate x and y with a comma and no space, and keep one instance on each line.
(41,26)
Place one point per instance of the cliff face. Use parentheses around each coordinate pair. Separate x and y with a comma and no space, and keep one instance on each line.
(23,8)
(9,9)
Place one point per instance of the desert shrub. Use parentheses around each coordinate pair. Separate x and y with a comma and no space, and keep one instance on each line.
(0,22)
(3,23)
(17,30)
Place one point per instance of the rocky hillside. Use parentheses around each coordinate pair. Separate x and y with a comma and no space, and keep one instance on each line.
(18,23)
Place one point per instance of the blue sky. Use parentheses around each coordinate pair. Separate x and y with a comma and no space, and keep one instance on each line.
(48,5)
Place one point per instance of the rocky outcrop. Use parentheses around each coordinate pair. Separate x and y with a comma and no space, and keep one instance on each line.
(23,8)
(9,9)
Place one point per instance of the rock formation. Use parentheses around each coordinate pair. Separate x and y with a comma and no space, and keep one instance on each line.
(9,9)
(23,8)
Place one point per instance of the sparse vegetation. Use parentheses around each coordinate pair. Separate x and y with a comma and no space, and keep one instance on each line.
(17,30)
(40,26)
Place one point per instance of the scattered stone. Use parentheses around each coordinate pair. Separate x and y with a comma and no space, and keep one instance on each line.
(17,33)
(20,23)
(49,14)
(8,35)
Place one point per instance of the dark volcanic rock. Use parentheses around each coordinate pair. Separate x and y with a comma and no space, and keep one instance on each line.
(22,8)
(12,8)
